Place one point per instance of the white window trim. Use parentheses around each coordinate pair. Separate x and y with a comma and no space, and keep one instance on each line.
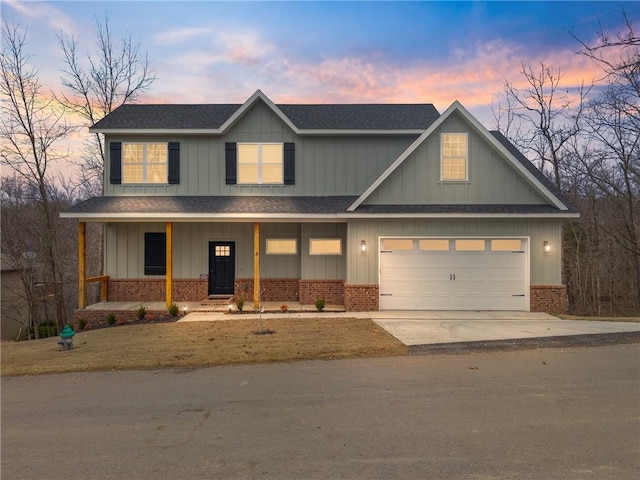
(260,181)
(466,158)
(311,240)
(145,163)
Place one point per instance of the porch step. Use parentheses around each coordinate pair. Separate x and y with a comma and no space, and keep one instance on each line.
(216,300)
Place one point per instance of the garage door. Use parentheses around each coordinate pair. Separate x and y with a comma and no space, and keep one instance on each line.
(453,274)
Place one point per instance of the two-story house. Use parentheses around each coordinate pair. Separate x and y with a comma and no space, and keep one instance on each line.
(370,206)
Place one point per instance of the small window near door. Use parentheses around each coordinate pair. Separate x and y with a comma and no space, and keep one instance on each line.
(506,245)
(434,245)
(281,246)
(397,244)
(469,245)
(155,253)
(223,251)
(325,246)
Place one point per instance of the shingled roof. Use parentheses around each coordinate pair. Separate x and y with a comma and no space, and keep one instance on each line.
(264,206)
(304,117)
(517,154)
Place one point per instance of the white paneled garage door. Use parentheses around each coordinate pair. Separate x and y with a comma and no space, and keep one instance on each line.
(454,274)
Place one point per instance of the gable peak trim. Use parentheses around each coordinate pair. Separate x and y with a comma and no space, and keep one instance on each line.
(456,106)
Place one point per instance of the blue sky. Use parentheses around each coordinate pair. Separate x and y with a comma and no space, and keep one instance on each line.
(323,52)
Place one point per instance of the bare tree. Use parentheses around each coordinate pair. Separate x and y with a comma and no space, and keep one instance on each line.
(99,81)
(612,125)
(542,119)
(31,127)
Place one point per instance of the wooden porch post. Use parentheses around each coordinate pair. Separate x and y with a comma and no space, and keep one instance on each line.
(82,259)
(256,265)
(169,267)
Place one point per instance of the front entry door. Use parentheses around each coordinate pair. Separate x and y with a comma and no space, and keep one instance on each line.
(222,268)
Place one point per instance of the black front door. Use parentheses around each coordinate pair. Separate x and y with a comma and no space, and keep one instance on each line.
(222,268)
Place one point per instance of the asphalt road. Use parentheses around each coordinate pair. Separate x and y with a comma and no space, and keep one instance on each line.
(535,414)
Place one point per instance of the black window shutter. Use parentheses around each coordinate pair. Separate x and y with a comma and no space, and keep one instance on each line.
(155,253)
(289,164)
(174,163)
(115,159)
(231,163)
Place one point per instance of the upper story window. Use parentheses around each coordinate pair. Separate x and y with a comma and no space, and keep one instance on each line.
(139,162)
(260,163)
(453,157)
(144,163)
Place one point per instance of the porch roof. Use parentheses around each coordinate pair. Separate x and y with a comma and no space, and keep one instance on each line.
(293,208)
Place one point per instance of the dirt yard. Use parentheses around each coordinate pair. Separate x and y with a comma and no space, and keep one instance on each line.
(198,344)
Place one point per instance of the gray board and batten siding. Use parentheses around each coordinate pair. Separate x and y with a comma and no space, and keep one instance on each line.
(124,245)
(324,165)
(491,178)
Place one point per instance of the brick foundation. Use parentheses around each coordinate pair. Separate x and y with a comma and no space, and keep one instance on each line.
(549,298)
(98,318)
(153,290)
(361,298)
(331,290)
(272,289)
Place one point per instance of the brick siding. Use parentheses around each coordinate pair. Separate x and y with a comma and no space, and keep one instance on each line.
(271,289)
(331,290)
(361,298)
(549,298)
(153,290)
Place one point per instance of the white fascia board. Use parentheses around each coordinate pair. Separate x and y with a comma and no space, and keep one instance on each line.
(359,132)
(156,131)
(362,216)
(195,217)
(218,131)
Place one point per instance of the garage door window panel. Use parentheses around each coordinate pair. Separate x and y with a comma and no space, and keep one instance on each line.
(506,245)
(469,245)
(434,245)
(397,244)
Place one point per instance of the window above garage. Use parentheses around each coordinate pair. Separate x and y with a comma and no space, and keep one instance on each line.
(454,157)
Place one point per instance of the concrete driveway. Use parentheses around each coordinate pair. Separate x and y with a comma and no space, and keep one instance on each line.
(451,327)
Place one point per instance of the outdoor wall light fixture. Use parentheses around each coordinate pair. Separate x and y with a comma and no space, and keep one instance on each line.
(546,247)
(363,246)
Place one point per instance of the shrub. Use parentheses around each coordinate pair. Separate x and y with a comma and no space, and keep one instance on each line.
(111,319)
(82,324)
(141,312)
(239,301)
(320,303)
(284,308)
(46,329)
(173,310)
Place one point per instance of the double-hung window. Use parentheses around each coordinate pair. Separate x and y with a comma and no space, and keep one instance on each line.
(144,163)
(260,163)
(453,157)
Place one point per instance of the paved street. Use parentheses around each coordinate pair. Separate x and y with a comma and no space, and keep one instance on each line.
(571,413)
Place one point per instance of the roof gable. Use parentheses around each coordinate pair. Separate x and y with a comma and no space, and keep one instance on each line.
(520,164)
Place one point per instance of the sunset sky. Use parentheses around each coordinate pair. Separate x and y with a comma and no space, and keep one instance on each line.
(331,52)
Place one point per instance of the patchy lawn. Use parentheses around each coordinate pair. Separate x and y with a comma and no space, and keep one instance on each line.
(198,344)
